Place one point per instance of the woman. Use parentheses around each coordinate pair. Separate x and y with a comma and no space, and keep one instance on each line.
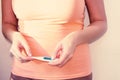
(53,28)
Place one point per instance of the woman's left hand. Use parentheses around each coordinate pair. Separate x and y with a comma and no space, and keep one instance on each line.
(63,51)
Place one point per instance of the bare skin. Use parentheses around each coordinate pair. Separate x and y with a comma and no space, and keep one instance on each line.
(97,27)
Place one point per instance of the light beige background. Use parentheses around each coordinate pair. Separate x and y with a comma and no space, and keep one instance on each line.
(105,51)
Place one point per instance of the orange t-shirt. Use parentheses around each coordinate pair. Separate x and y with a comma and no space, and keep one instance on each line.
(44,23)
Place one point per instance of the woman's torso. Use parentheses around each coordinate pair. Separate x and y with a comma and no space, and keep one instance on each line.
(44,23)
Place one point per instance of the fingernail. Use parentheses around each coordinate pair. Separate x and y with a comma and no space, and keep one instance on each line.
(52,57)
(30,54)
(58,55)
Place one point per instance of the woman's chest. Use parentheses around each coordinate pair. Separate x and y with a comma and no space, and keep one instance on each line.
(42,9)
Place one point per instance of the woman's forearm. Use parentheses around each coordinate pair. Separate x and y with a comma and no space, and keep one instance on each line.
(91,33)
(9,19)
(8,30)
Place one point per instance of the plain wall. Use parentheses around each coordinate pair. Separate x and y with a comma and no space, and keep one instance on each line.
(105,52)
(5,59)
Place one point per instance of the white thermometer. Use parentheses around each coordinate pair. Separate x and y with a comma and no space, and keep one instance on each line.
(44,58)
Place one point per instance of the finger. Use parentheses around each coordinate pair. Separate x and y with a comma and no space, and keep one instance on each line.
(25,60)
(26,47)
(60,60)
(63,57)
(66,60)
(54,62)
(56,53)
(18,55)
(14,53)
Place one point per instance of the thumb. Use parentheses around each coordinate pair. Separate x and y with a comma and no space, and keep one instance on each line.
(56,53)
(26,48)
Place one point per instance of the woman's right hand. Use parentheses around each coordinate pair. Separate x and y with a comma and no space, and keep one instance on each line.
(18,45)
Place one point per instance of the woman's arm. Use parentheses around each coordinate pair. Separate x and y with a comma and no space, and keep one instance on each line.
(9,29)
(97,27)
(98,23)
(9,20)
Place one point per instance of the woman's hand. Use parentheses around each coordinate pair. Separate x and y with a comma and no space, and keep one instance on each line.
(18,45)
(64,51)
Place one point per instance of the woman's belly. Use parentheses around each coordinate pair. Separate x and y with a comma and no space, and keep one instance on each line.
(45,37)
